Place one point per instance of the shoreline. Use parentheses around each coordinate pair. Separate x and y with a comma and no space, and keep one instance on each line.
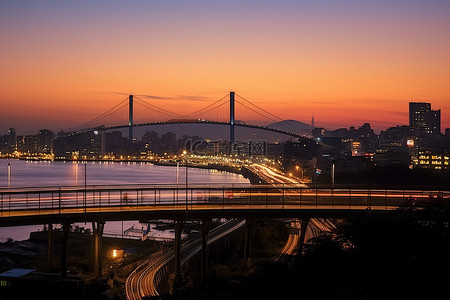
(245,172)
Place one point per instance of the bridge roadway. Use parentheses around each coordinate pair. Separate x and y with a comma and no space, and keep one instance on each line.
(22,206)
(199,121)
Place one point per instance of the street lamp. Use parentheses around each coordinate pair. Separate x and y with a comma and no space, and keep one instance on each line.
(9,175)
(85,186)
(186,163)
(76,173)
(178,167)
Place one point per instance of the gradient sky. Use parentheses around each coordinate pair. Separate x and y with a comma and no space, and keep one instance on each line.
(345,62)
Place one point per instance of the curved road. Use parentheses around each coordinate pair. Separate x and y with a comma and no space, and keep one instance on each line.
(143,281)
(315,226)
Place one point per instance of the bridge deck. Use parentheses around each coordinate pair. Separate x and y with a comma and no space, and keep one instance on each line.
(36,205)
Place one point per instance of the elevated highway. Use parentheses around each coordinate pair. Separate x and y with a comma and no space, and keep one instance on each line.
(130,202)
(144,280)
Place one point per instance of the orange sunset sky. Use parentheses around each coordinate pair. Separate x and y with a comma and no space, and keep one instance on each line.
(63,63)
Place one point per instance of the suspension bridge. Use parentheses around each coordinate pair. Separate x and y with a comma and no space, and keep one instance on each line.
(229,110)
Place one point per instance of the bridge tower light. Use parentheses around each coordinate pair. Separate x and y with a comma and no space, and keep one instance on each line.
(130,121)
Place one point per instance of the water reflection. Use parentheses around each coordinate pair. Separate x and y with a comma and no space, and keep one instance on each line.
(60,173)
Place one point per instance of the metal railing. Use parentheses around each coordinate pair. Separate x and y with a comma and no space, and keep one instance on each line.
(63,200)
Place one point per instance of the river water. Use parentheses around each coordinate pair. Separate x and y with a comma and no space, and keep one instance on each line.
(59,173)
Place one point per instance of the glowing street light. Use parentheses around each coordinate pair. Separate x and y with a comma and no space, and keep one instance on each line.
(9,175)
(186,163)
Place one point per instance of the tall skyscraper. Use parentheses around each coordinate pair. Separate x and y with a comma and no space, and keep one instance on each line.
(423,120)
(12,139)
(44,141)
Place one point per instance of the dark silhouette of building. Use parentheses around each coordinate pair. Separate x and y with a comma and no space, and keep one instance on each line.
(397,138)
(303,153)
(168,142)
(318,132)
(12,139)
(27,144)
(349,142)
(151,141)
(41,143)
(44,141)
(86,145)
(8,142)
(114,142)
(423,120)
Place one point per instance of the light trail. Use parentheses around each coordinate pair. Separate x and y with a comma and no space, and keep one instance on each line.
(265,171)
(315,226)
(143,281)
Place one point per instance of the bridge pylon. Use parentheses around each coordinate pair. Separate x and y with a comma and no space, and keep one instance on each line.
(231,119)
(64,249)
(130,120)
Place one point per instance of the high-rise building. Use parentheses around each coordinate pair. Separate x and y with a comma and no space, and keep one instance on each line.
(45,141)
(12,139)
(423,120)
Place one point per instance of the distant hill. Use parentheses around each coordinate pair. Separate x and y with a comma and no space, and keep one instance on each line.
(294,126)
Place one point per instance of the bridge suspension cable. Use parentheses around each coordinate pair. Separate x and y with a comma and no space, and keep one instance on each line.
(209,113)
(107,113)
(156,108)
(254,110)
(196,114)
(265,113)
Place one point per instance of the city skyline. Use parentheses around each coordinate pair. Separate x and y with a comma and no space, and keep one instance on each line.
(346,63)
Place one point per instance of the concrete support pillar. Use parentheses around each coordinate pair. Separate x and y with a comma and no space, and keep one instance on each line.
(204,260)
(100,247)
(178,229)
(248,243)
(64,249)
(94,246)
(303,228)
(50,245)
(97,230)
